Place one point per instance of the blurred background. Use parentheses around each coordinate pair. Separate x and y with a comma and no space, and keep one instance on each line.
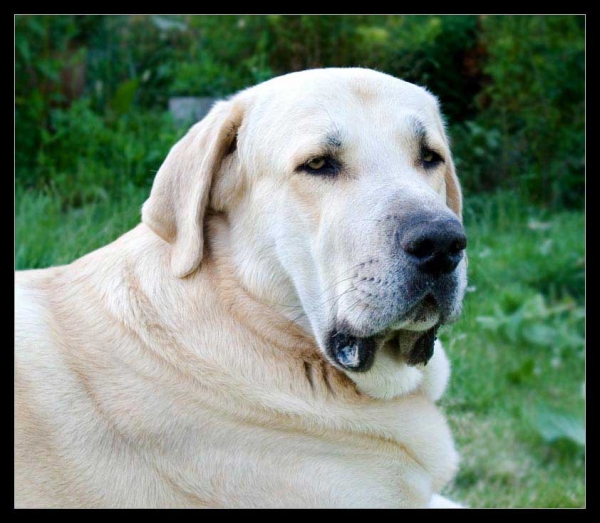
(92,99)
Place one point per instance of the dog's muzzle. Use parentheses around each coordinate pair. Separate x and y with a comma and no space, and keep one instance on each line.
(421,296)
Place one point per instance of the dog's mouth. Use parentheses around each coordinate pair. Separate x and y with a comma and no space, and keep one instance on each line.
(357,354)
(410,340)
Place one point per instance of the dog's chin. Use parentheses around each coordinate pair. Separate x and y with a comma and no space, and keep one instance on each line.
(410,340)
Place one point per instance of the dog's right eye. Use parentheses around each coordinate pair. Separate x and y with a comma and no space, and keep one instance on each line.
(320,166)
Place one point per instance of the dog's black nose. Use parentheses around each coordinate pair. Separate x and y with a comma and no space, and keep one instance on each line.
(435,247)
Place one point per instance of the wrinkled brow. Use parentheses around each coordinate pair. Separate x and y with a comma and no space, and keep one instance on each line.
(423,139)
(334,140)
(327,144)
(417,129)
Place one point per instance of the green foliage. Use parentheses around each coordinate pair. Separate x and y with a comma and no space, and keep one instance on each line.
(512,87)
(48,234)
(515,400)
(42,54)
(123,98)
(535,323)
(86,156)
(555,425)
(434,51)
(535,97)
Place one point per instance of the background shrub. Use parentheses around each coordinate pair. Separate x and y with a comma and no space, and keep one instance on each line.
(512,87)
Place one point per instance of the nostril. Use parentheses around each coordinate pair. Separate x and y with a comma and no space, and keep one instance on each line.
(458,245)
(421,247)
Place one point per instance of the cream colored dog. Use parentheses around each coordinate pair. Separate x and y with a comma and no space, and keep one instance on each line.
(265,337)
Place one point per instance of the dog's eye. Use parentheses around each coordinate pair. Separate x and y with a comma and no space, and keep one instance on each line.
(430,159)
(320,165)
(316,163)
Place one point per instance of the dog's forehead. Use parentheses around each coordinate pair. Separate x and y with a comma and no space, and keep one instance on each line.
(314,100)
(342,86)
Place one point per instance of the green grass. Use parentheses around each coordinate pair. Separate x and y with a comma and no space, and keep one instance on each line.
(47,235)
(515,400)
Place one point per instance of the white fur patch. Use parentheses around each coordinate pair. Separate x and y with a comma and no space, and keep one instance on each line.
(389,378)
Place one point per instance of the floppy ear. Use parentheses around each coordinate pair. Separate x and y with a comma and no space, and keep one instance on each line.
(181,190)
(453,192)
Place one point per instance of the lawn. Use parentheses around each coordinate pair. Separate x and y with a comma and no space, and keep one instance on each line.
(516,400)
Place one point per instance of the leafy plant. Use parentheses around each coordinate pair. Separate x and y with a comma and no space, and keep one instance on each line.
(512,87)
(535,97)
(553,425)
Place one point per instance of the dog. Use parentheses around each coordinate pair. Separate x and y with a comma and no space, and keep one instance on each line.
(266,336)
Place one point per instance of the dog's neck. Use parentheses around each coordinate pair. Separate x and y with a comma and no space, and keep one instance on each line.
(264,316)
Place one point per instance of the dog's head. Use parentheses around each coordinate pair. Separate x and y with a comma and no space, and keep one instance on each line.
(343,204)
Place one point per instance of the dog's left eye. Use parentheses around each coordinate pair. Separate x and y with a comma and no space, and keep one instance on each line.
(316,163)
(430,159)
(320,165)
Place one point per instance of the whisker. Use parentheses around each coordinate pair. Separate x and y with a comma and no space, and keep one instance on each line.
(355,304)
(361,314)
(337,298)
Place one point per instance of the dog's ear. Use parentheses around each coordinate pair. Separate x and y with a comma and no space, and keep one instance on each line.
(181,190)
(453,192)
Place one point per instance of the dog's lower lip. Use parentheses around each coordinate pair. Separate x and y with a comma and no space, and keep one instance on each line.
(357,354)
(423,348)
(352,352)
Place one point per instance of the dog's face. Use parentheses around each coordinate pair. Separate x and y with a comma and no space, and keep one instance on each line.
(344,210)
